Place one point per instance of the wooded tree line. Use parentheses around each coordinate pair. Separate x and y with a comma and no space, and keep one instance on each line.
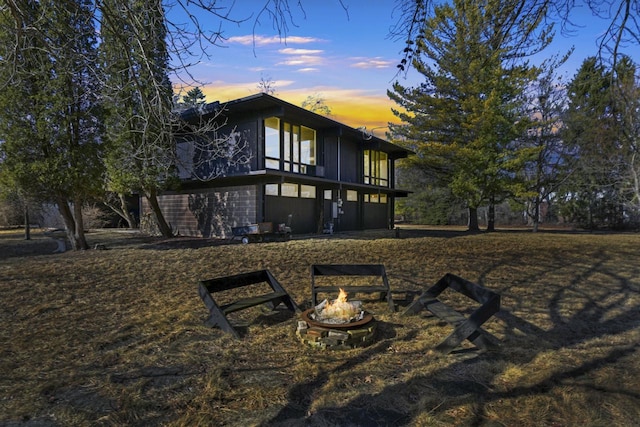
(488,127)
(87,107)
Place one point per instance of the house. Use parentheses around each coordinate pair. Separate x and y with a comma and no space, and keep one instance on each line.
(272,161)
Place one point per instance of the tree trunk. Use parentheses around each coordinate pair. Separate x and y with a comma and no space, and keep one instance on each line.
(164,228)
(27,227)
(69,223)
(76,239)
(131,223)
(120,207)
(491,217)
(79,221)
(473,219)
(536,214)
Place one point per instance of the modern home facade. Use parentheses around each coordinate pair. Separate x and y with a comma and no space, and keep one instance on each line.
(273,161)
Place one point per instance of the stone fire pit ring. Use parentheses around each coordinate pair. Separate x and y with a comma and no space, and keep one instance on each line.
(336,336)
(306,316)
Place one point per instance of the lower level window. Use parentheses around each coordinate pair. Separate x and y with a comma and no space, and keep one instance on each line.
(375,198)
(288,189)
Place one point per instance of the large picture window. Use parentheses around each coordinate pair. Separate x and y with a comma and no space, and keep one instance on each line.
(376,168)
(296,148)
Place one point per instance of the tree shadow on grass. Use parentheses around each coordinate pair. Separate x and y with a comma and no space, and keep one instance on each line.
(296,412)
(452,392)
(580,311)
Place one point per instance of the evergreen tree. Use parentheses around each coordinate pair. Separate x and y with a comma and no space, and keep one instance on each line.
(601,126)
(50,120)
(195,98)
(463,120)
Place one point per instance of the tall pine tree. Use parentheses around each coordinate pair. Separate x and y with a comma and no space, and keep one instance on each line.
(463,119)
(601,126)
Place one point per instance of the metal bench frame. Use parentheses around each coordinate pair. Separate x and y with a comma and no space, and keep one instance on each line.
(218,313)
(376,270)
(465,328)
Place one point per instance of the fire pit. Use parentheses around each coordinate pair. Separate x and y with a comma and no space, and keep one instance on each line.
(339,324)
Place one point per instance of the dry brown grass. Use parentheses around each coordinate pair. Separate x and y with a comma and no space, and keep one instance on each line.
(116,337)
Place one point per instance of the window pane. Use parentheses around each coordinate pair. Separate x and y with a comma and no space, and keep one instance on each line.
(271,189)
(272,137)
(289,190)
(295,143)
(373,198)
(308,191)
(383,198)
(287,142)
(308,146)
(367,164)
(384,166)
(352,196)
(272,164)
(328,194)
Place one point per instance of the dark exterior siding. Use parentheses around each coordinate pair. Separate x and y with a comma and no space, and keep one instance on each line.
(349,219)
(303,210)
(375,215)
(331,157)
(349,163)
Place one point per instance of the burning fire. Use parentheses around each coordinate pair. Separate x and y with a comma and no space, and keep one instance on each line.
(340,308)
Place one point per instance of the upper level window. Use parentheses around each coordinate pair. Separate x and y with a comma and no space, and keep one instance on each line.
(272,142)
(376,168)
(297,150)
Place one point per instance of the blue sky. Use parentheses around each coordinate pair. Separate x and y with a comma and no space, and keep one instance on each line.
(346,57)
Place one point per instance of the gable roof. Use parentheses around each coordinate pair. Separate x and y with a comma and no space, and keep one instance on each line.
(263,101)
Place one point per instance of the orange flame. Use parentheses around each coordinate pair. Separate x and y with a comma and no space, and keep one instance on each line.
(342,297)
(340,308)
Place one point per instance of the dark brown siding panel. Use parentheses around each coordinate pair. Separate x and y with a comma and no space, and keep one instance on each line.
(375,215)
(349,161)
(209,213)
(331,157)
(349,219)
(303,210)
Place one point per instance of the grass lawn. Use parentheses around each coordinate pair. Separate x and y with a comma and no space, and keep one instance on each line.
(116,337)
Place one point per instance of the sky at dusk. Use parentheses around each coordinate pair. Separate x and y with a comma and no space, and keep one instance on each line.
(345,56)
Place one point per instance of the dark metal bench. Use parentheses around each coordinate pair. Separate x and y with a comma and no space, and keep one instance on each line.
(375,270)
(465,328)
(218,313)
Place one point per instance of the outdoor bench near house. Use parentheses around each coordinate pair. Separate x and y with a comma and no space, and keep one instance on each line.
(375,276)
(218,313)
(464,328)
